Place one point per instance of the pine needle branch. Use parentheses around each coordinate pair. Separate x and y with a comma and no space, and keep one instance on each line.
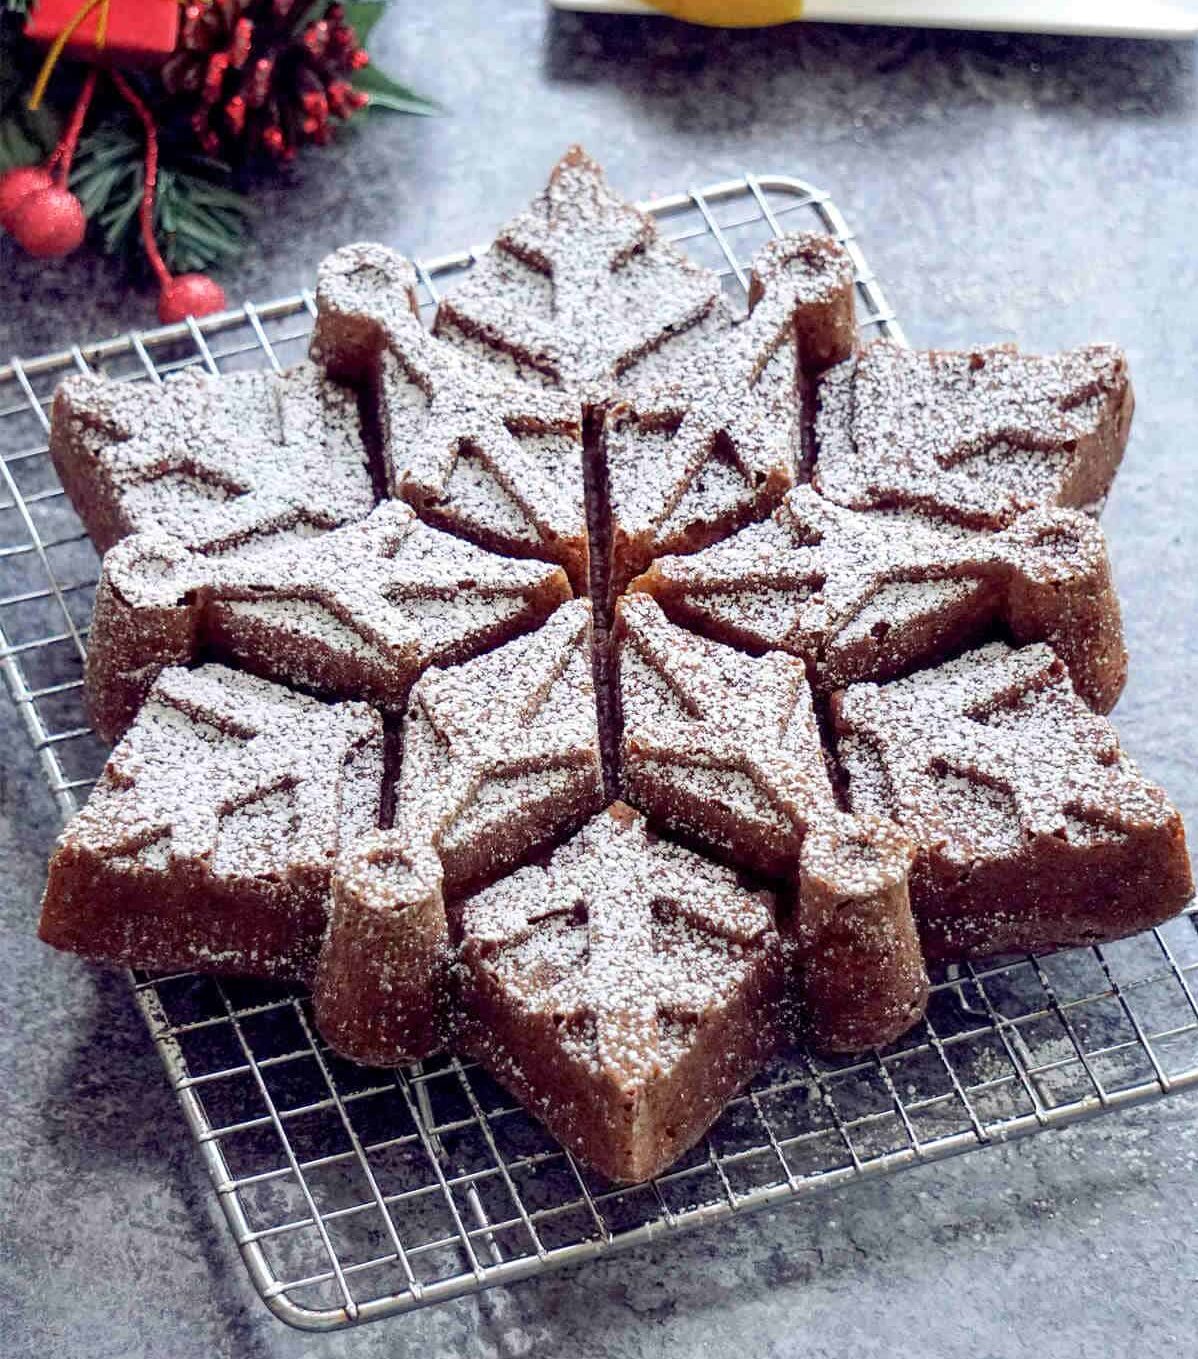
(200,221)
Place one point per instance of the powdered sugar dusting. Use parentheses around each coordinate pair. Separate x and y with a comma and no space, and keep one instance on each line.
(689,460)
(236,778)
(399,584)
(500,748)
(578,286)
(489,456)
(616,934)
(385,873)
(987,753)
(359,611)
(707,727)
(870,594)
(221,464)
(974,437)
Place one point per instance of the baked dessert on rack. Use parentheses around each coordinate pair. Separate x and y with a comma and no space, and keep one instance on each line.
(704,726)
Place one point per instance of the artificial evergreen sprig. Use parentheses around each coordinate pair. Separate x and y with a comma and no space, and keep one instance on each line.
(199,218)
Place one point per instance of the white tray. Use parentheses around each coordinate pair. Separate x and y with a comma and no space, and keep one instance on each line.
(1096,18)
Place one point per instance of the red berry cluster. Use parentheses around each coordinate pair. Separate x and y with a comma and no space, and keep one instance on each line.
(36,206)
(45,218)
(262,80)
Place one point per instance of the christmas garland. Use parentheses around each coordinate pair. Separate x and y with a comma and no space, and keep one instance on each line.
(151,120)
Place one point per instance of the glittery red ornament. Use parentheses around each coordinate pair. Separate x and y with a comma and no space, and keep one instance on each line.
(49,223)
(16,186)
(189,295)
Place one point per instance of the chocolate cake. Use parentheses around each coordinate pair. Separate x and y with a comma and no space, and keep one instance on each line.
(828,785)
(688,462)
(577,288)
(381,990)
(871,595)
(359,612)
(974,437)
(623,992)
(1033,830)
(502,754)
(209,840)
(221,464)
(475,451)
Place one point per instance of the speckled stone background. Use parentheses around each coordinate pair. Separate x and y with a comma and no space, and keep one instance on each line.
(1005,187)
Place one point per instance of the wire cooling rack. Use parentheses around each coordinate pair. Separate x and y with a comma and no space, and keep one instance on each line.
(352,1193)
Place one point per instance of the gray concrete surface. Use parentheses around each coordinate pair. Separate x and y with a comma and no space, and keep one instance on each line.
(1005,187)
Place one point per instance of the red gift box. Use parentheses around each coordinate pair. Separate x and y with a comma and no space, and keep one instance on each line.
(139,32)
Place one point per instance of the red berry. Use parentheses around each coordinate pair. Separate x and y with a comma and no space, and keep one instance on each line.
(49,223)
(16,186)
(190,295)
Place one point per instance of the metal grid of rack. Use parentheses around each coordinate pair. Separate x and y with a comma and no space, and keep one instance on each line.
(354,1194)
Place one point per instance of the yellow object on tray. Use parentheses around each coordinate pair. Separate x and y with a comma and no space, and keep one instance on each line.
(732,13)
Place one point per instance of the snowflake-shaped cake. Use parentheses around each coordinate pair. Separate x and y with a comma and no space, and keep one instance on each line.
(605,681)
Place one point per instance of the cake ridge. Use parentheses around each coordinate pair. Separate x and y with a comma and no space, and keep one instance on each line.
(869,594)
(230,791)
(357,612)
(475,733)
(691,457)
(735,718)
(1033,828)
(283,452)
(973,437)
(625,989)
